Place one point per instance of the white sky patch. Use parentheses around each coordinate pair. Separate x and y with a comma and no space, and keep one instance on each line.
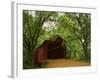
(82,40)
(32,13)
(60,13)
(49,25)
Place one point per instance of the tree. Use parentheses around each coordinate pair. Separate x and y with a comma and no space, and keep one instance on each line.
(83,32)
(79,25)
(38,26)
(32,27)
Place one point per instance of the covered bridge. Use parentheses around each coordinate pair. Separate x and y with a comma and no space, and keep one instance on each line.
(51,49)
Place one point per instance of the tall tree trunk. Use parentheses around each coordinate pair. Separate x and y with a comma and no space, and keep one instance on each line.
(86,51)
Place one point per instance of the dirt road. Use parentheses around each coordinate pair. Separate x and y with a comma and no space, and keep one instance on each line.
(65,63)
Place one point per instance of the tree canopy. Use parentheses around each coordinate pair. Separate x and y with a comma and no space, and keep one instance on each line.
(74,28)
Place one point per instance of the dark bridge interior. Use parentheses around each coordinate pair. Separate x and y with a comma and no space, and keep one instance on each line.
(55,51)
(51,50)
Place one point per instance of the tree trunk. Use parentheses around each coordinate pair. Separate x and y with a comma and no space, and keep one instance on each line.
(86,52)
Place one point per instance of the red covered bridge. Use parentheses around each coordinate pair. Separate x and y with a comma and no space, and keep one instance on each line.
(51,50)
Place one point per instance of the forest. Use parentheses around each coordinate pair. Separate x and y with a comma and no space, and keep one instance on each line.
(73,27)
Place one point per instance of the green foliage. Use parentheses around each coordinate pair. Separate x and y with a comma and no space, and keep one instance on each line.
(44,65)
(74,28)
(32,28)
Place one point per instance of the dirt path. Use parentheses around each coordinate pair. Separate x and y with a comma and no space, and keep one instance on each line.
(65,63)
